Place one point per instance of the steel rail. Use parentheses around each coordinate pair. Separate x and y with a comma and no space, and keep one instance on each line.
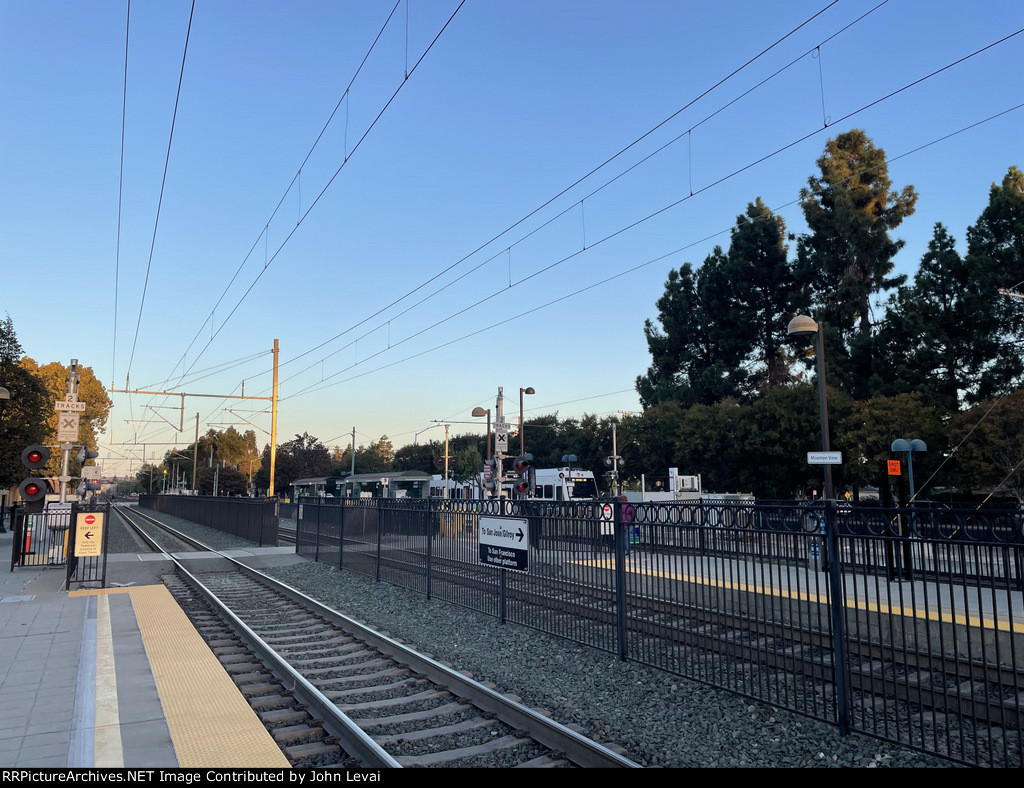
(352,739)
(578,748)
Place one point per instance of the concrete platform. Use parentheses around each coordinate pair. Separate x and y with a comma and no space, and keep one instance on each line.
(117,677)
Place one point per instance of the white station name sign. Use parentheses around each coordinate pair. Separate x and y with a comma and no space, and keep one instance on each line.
(824,458)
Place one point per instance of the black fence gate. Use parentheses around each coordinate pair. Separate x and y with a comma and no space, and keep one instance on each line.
(72,536)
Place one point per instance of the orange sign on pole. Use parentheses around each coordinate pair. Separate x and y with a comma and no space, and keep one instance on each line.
(894,467)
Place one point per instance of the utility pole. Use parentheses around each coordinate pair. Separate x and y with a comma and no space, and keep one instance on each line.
(273,418)
(273,427)
(613,462)
(195,459)
(66,446)
(353,451)
(445,460)
(500,426)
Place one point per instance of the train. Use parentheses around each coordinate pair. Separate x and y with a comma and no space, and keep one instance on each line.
(550,484)
(386,484)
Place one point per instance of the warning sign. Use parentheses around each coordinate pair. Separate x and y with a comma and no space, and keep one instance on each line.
(894,467)
(89,534)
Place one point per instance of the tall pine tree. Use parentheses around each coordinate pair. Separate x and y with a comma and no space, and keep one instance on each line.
(847,256)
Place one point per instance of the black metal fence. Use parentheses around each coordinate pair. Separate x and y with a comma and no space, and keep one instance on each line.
(72,535)
(906,624)
(254,519)
(41,538)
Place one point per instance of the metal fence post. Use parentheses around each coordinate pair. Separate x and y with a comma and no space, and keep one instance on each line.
(428,522)
(341,535)
(838,617)
(316,552)
(380,510)
(18,538)
(620,579)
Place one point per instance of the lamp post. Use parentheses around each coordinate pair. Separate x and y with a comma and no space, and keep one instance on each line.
(902,444)
(478,412)
(804,326)
(522,426)
(4,396)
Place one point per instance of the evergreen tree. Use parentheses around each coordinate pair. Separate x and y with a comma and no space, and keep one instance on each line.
(696,355)
(847,257)
(940,334)
(995,248)
(763,292)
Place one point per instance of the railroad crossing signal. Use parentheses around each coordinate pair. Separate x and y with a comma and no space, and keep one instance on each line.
(491,474)
(34,489)
(522,468)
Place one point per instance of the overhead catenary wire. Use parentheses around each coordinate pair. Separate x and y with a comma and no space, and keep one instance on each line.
(305,160)
(583,178)
(649,262)
(650,216)
(120,188)
(163,184)
(620,231)
(326,187)
(621,152)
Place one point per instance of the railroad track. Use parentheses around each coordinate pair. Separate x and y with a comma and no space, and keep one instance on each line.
(923,681)
(381,703)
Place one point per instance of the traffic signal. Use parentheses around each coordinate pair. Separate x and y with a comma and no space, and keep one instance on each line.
(84,455)
(522,466)
(88,485)
(34,488)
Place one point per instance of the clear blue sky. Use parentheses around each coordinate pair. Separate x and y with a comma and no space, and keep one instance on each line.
(512,105)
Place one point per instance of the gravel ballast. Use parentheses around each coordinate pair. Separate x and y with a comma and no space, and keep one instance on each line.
(659,719)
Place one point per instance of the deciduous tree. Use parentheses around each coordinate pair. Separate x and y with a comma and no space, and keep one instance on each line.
(22,416)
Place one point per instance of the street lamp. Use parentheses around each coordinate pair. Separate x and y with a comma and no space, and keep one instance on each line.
(5,395)
(522,426)
(804,326)
(902,444)
(478,412)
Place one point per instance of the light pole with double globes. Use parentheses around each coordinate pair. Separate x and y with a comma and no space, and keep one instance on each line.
(804,326)
(902,444)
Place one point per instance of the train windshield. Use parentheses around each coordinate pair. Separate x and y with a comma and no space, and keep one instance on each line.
(580,487)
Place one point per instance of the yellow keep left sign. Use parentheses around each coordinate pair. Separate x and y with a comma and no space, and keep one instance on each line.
(89,534)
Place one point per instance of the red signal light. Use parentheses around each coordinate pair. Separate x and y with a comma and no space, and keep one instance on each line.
(33,489)
(35,456)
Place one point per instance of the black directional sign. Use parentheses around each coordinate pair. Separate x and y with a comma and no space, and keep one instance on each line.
(505,543)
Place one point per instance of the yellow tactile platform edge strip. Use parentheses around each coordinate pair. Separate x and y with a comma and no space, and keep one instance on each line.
(211,725)
(1013,626)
